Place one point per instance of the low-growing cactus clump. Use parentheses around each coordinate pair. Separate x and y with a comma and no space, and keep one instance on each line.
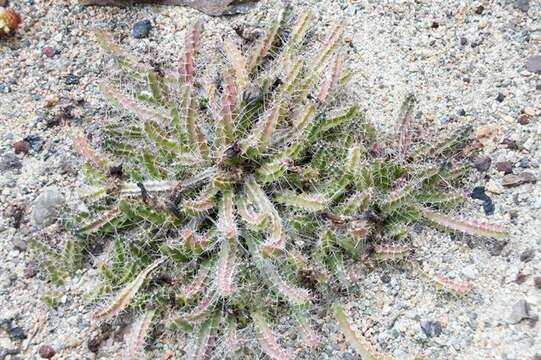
(227,200)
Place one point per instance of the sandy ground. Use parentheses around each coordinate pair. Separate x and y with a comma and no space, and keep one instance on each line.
(457,57)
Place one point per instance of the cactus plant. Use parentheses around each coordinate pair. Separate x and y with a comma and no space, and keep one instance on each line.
(228,200)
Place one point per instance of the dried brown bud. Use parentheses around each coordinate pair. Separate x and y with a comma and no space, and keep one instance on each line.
(9,21)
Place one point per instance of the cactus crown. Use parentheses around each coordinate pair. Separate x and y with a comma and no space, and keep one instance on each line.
(247,192)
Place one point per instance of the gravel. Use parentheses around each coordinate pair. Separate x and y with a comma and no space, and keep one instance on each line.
(450,54)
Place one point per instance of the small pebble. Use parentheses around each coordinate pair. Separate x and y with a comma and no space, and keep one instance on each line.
(500,97)
(497,248)
(527,255)
(533,64)
(72,80)
(31,269)
(483,24)
(141,29)
(35,141)
(46,207)
(520,278)
(21,147)
(524,163)
(523,119)
(530,111)
(512,180)
(537,282)
(46,351)
(48,51)
(521,310)
(20,244)
(494,187)
(51,100)
(488,207)
(504,166)
(431,328)
(17,213)
(510,144)
(478,193)
(482,163)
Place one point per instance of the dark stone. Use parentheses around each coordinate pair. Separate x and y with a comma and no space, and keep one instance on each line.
(510,144)
(141,29)
(463,41)
(497,248)
(46,351)
(523,5)
(35,141)
(504,166)
(524,163)
(385,278)
(71,80)
(537,282)
(527,255)
(523,119)
(31,269)
(461,112)
(116,171)
(520,278)
(478,193)
(17,333)
(482,163)
(52,121)
(500,97)
(431,328)
(21,147)
(488,207)
(479,10)
(533,64)
(10,161)
(435,25)
(93,344)
(17,213)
